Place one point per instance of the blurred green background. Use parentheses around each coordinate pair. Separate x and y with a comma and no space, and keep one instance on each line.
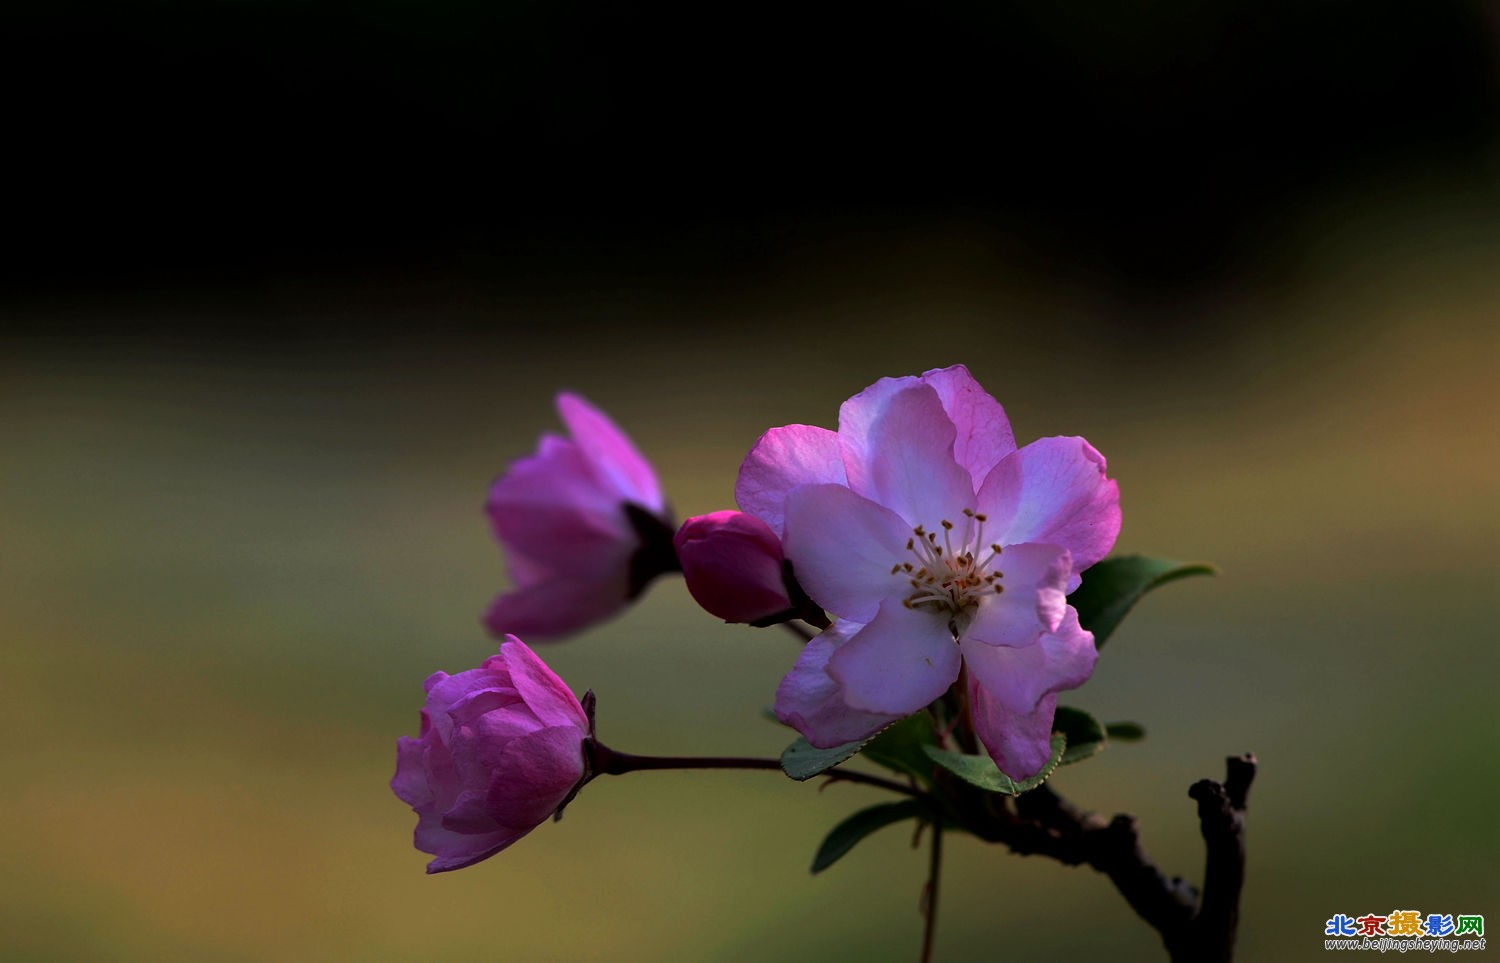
(250,405)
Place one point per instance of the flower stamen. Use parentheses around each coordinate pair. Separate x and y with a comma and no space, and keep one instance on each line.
(950,577)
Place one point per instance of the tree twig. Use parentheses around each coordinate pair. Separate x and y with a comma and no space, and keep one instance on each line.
(1221,816)
(1202,931)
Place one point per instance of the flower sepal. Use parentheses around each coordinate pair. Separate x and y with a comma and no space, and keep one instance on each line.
(980,771)
(801,608)
(590,769)
(655,554)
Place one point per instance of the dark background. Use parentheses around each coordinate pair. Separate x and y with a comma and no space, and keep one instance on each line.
(537,147)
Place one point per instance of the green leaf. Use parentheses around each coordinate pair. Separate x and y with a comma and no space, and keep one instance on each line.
(1113,586)
(1126,731)
(847,834)
(981,771)
(899,747)
(801,760)
(1086,737)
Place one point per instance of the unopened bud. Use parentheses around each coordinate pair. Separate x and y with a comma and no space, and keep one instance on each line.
(733,566)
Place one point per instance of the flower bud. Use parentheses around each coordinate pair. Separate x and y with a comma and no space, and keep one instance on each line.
(501,749)
(583,525)
(733,566)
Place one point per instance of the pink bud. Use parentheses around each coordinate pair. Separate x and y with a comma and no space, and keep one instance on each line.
(501,749)
(733,566)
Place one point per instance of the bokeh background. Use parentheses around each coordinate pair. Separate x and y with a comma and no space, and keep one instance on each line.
(287,285)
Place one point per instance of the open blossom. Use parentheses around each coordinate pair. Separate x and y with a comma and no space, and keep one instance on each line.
(584,526)
(733,566)
(941,547)
(500,749)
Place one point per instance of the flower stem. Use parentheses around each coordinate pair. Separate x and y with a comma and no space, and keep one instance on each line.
(930,892)
(607,761)
(801,632)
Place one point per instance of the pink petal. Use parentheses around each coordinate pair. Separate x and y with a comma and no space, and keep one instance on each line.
(554,540)
(858,415)
(546,695)
(563,604)
(1054,491)
(479,747)
(470,814)
(535,776)
(809,700)
(469,709)
(903,458)
(1013,692)
(557,472)
(898,663)
(451,690)
(442,775)
(1036,581)
(456,850)
(549,509)
(781,460)
(842,548)
(609,450)
(530,780)
(410,782)
(561,517)
(983,431)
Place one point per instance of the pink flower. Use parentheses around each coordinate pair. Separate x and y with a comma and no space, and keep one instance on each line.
(940,546)
(501,748)
(583,524)
(733,566)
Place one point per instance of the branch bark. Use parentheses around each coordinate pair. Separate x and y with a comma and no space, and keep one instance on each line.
(1201,930)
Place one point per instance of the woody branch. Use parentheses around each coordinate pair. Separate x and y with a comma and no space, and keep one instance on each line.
(1193,928)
